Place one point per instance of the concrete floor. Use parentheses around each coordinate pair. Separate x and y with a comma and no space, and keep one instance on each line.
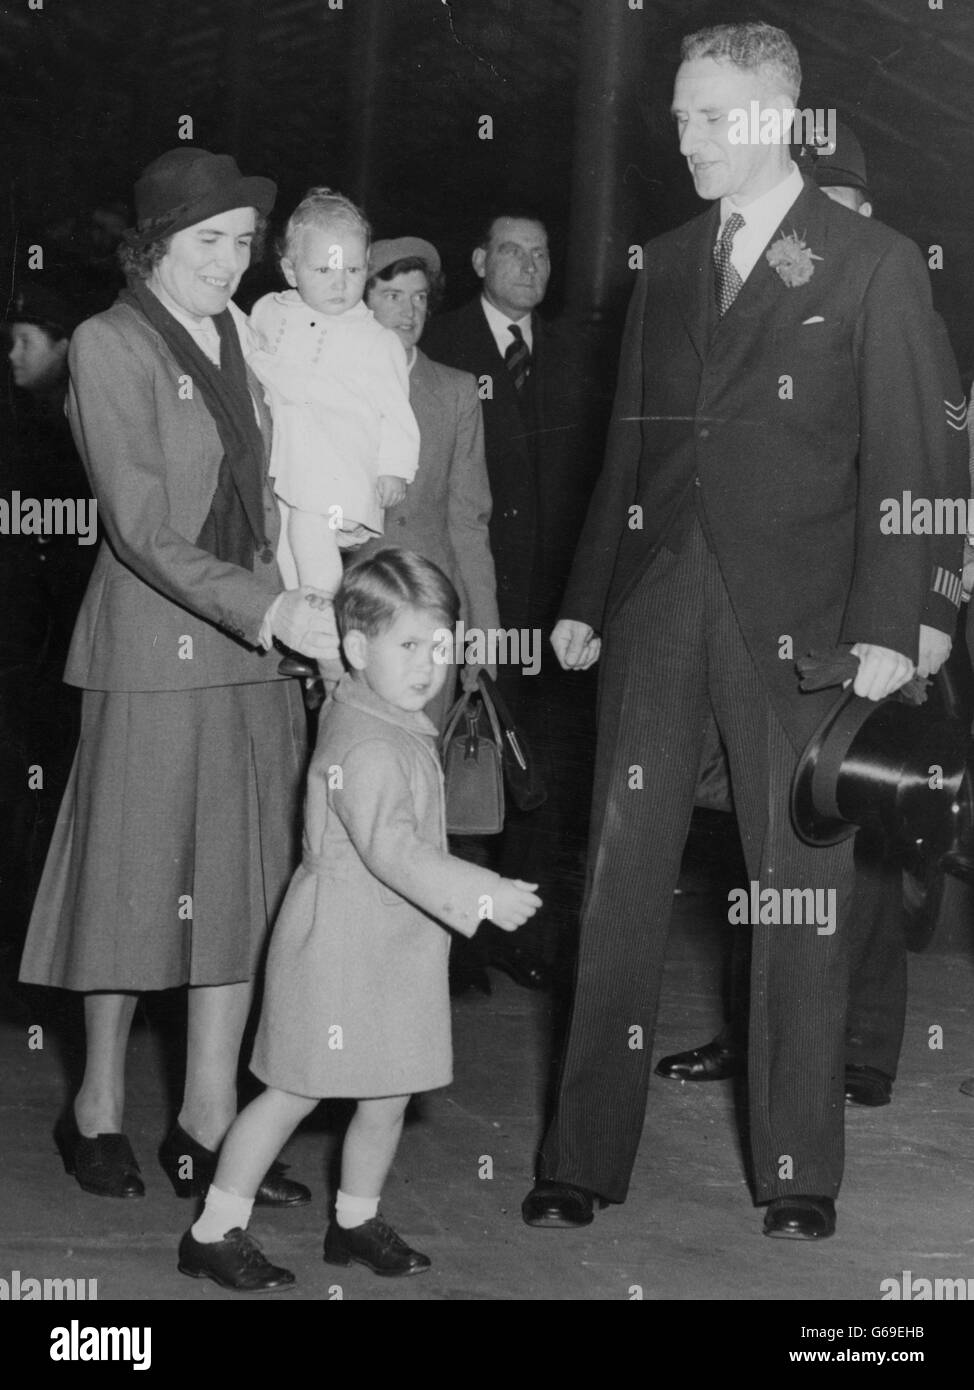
(688,1231)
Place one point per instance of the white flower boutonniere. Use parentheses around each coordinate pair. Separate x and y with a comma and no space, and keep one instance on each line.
(792,259)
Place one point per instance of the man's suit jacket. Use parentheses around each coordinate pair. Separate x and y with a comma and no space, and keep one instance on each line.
(786,423)
(152,452)
(444,516)
(541,469)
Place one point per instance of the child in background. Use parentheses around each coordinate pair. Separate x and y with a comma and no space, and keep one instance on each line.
(356,1001)
(345,442)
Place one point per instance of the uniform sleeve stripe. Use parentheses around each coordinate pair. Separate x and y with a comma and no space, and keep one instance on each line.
(948,584)
(956,414)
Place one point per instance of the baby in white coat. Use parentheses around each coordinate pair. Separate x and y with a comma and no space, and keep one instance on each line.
(346,442)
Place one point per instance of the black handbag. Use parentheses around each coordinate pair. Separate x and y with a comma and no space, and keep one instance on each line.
(472,774)
(521,772)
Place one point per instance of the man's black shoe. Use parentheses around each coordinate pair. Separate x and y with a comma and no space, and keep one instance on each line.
(558,1204)
(712,1062)
(800,1218)
(867,1086)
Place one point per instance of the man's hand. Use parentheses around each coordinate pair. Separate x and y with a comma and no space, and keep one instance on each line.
(576,645)
(305,622)
(881,670)
(514,901)
(934,650)
(390,490)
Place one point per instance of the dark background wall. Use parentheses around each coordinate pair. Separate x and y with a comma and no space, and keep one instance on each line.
(382,98)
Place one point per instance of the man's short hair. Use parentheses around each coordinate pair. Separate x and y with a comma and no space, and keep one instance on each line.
(517,212)
(374,591)
(758,48)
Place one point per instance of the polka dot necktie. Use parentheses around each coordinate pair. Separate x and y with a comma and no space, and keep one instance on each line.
(729,282)
(517,358)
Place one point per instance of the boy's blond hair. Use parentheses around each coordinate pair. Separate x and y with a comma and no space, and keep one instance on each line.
(322,207)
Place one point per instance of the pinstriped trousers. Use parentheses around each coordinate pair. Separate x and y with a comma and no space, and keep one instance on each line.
(673,655)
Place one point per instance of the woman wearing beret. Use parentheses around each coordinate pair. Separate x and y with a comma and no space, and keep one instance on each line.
(175,838)
(447,507)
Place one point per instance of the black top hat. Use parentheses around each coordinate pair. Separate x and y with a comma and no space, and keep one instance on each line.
(889,764)
(186,185)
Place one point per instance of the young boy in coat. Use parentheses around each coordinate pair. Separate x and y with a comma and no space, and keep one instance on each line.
(356,1001)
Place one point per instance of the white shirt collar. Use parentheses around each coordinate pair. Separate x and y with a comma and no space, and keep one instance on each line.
(500,325)
(762,218)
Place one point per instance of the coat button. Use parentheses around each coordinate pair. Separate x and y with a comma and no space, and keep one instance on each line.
(705,433)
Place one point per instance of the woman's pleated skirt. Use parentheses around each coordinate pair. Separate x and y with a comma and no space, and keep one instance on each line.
(175,841)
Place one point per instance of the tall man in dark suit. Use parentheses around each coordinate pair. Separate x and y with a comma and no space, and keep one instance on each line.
(877,949)
(540,462)
(779,378)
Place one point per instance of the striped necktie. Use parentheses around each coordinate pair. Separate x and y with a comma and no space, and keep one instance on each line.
(517,358)
(728,280)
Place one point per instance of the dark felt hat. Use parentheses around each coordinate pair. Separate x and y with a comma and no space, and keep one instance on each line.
(890,764)
(41,305)
(186,185)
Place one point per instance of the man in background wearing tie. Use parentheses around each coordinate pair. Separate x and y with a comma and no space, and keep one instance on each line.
(541,462)
(781,373)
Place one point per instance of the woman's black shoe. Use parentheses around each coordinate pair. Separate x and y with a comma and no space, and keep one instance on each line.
(104,1165)
(190,1168)
(374,1244)
(235,1262)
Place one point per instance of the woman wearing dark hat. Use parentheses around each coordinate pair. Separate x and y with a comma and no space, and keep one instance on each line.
(175,837)
(447,507)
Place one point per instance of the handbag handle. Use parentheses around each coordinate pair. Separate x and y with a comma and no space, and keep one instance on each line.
(473,722)
(461,710)
(498,711)
(488,705)
(453,719)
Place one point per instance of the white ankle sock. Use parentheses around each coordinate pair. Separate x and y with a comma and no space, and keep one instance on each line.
(353,1211)
(222,1212)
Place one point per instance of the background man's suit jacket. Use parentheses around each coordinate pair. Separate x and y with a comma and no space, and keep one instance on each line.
(153,455)
(541,469)
(447,506)
(786,423)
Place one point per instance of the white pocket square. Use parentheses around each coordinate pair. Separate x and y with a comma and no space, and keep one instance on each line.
(816,318)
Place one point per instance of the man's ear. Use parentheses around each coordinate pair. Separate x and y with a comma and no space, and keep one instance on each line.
(287,270)
(479,261)
(865,209)
(355,645)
